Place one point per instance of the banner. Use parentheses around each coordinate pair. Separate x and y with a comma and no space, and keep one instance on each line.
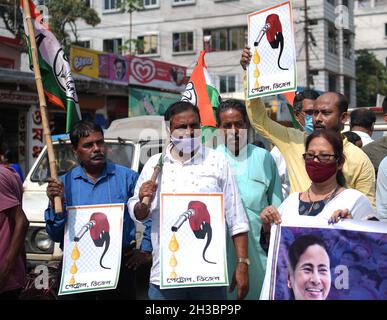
(150,102)
(156,74)
(84,61)
(192,241)
(92,248)
(129,70)
(311,260)
(272,69)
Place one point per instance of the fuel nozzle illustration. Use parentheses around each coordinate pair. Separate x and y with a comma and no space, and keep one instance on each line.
(273,31)
(199,221)
(99,232)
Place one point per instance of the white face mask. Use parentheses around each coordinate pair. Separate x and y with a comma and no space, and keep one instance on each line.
(187,144)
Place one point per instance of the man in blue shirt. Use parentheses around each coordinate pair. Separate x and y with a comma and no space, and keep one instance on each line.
(97,181)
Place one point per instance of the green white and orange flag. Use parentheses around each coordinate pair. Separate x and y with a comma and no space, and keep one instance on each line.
(201,92)
(58,83)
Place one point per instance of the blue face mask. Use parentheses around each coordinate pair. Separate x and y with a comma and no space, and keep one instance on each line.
(308,124)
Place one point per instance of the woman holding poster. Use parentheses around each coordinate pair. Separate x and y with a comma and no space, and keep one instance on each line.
(327,197)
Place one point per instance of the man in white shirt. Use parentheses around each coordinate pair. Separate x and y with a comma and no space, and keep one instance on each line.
(189,167)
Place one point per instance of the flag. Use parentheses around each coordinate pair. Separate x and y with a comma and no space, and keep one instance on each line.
(58,83)
(290,98)
(201,92)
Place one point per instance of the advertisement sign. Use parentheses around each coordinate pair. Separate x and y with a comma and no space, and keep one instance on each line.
(150,102)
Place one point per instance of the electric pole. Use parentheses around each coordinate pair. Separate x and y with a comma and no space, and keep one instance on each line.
(306,40)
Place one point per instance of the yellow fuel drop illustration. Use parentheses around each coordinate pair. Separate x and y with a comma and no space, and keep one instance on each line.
(173,246)
(75,254)
(256,61)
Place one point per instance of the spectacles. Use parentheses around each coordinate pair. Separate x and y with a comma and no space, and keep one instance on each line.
(321,157)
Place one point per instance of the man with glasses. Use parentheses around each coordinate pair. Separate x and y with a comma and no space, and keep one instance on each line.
(330,112)
(303,112)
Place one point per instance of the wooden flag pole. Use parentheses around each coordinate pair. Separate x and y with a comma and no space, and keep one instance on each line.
(42,103)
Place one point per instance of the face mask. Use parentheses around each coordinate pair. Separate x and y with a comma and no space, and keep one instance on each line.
(308,124)
(319,171)
(186,145)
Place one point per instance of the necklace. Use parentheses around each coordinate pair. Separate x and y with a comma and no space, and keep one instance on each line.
(327,198)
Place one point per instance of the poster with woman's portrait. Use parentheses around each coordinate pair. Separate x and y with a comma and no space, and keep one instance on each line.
(311,260)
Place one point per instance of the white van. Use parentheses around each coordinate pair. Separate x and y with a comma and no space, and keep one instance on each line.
(129,142)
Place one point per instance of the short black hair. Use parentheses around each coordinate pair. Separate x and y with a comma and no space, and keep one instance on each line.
(300,96)
(299,246)
(342,103)
(231,104)
(81,129)
(179,107)
(352,136)
(362,117)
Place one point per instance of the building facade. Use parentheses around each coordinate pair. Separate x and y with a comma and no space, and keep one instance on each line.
(175,31)
(371,27)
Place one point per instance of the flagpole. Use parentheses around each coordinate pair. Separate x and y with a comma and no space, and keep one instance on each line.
(42,103)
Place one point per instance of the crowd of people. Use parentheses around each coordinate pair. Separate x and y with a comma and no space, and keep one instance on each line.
(313,171)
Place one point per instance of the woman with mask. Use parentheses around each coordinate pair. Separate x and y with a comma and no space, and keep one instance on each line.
(327,197)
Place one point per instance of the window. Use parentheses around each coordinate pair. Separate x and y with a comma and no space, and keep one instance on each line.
(112,5)
(182,42)
(147,44)
(112,45)
(385,29)
(149,4)
(332,39)
(182,2)
(332,82)
(84,44)
(226,39)
(226,84)
(332,2)
(347,45)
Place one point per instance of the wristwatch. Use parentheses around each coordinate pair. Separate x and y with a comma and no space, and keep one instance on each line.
(243,260)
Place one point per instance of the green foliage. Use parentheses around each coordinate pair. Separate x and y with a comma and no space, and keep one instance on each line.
(12,18)
(64,13)
(371,78)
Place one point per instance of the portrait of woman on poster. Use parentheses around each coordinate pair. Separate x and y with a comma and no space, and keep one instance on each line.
(309,276)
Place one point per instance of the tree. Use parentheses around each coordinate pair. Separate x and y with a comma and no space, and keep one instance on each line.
(12,18)
(64,13)
(131,6)
(371,78)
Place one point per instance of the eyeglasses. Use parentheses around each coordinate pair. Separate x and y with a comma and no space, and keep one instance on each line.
(321,157)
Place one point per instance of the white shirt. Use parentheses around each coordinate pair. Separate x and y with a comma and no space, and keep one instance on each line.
(282,170)
(207,172)
(365,137)
(357,204)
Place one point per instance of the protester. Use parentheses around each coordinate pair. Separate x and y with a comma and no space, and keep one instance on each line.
(330,112)
(303,112)
(13,229)
(362,122)
(190,167)
(309,275)
(381,191)
(97,181)
(326,198)
(377,150)
(354,138)
(259,185)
